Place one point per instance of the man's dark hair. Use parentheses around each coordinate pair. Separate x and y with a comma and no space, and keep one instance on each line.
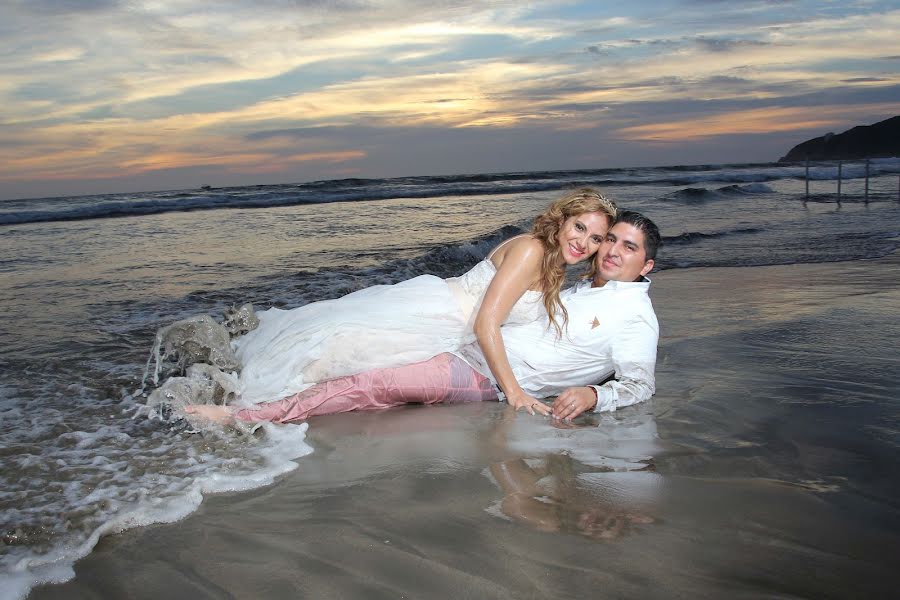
(652,240)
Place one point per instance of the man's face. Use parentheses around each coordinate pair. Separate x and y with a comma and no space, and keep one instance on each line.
(622,255)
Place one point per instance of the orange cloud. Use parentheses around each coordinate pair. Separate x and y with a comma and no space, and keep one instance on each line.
(88,165)
(762,120)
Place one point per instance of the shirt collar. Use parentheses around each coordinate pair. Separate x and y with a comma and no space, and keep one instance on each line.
(642,284)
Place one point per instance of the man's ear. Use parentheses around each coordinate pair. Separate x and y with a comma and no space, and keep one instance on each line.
(648,266)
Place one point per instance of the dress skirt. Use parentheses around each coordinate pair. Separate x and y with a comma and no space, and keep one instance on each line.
(379,326)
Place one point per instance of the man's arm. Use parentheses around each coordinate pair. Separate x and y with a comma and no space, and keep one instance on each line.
(634,361)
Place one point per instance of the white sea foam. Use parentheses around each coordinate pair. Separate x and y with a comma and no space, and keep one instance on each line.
(80,485)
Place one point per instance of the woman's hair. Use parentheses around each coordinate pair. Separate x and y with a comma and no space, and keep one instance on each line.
(546,229)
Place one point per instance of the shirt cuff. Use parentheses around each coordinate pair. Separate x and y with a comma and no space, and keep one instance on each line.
(606,401)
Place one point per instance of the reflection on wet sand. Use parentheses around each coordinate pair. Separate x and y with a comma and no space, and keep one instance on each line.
(558,505)
(602,498)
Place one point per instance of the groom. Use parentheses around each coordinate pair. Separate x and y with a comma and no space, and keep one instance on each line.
(611,337)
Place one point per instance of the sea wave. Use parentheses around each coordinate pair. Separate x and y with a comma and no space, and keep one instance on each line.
(699,195)
(743,179)
(692,237)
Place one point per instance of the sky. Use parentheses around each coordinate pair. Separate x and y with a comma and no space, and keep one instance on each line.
(106,96)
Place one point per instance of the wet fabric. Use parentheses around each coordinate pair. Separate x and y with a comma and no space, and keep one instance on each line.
(376,327)
(444,378)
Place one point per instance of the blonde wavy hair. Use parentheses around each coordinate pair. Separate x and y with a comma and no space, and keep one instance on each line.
(546,229)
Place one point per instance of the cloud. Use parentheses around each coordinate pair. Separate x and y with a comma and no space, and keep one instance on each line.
(725,45)
(755,121)
(160,51)
(65,7)
(92,88)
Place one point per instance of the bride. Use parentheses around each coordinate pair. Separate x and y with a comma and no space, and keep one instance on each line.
(411,321)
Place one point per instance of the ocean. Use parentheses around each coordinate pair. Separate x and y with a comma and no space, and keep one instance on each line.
(87,280)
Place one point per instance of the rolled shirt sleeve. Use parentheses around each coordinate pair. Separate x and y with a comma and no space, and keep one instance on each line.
(633,353)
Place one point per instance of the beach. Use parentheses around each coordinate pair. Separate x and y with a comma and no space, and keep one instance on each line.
(764,467)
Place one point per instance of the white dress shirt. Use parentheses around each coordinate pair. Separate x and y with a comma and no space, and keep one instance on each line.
(612,330)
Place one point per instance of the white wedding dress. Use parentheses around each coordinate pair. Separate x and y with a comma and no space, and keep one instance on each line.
(380,326)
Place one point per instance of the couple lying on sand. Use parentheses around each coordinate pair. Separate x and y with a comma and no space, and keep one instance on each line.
(503,330)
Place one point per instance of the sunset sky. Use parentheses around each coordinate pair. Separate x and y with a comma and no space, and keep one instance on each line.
(115,96)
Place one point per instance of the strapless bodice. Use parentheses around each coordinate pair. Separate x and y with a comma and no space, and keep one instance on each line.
(470,287)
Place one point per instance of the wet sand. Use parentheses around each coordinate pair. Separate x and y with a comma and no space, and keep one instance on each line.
(764,467)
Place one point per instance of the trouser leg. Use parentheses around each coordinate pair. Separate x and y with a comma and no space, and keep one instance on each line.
(442,378)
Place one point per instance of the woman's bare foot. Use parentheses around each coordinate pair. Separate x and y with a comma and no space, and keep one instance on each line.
(212,412)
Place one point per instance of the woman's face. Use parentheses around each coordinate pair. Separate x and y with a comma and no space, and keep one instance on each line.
(581,235)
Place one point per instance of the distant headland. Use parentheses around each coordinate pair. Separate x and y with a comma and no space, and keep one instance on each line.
(879,140)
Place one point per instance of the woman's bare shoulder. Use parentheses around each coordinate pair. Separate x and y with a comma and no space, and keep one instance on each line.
(523,248)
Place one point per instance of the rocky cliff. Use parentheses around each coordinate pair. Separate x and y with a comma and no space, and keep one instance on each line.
(866,141)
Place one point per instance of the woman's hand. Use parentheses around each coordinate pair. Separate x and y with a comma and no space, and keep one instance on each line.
(520,399)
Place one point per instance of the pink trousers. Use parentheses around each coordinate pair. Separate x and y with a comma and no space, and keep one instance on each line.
(444,378)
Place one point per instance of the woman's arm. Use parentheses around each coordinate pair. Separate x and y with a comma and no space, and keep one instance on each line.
(519,268)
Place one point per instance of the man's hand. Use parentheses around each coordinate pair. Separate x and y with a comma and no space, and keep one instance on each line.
(574,401)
